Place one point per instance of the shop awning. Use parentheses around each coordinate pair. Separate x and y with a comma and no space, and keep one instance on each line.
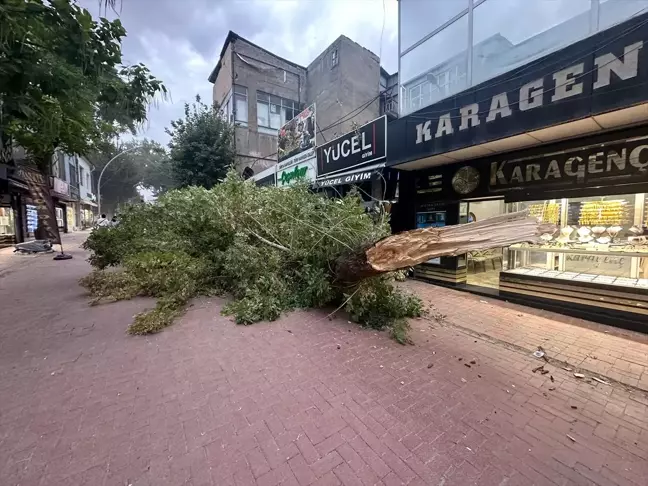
(88,203)
(61,196)
(18,184)
(356,176)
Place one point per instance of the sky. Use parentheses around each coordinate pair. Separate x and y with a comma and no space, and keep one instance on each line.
(180,40)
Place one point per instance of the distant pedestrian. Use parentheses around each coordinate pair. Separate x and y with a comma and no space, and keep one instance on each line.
(102,222)
(113,221)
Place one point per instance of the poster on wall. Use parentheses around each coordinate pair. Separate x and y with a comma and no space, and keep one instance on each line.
(431,219)
(297,136)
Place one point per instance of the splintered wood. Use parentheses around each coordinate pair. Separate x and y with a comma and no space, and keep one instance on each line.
(417,246)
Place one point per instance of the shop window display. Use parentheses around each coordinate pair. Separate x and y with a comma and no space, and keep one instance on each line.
(597,239)
(7,225)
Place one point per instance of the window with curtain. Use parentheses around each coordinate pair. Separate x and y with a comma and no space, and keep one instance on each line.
(273,111)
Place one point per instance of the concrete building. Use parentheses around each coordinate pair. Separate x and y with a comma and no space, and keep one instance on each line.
(260,91)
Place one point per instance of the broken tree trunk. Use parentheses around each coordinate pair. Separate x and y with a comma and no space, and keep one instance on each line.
(410,248)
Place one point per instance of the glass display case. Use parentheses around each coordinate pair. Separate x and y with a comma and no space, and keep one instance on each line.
(7,225)
(597,239)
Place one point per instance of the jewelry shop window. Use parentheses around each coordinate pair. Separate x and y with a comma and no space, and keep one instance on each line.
(601,239)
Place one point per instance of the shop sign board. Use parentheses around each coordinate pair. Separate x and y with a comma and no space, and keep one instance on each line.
(303,169)
(360,147)
(615,164)
(60,187)
(297,135)
(355,178)
(604,72)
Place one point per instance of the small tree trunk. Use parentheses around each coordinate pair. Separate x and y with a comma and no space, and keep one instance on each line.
(410,248)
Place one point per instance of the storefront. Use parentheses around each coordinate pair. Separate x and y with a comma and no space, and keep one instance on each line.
(88,215)
(566,140)
(60,191)
(266,177)
(7,221)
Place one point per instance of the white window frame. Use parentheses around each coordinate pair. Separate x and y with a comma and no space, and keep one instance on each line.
(240,95)
(266,101)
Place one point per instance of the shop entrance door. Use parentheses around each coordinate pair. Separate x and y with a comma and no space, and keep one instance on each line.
(483,267)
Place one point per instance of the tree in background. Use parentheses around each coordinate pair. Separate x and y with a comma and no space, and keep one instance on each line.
(143,164)
(201,146)
(62,82)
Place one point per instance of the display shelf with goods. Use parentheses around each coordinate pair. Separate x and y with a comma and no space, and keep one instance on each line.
(594,236)
(32,219)
(7,226)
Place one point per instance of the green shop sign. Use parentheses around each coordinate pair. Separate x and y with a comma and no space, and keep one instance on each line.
(289,176)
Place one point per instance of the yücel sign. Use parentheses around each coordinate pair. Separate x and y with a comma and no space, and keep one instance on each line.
(620,163)
(359,147)
(355,178)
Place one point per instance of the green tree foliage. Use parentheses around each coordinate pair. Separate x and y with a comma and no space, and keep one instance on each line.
(62,82)
(141,164)
(201,146)
(271,249)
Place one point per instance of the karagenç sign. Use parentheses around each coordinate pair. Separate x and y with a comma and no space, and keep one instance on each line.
(354,149)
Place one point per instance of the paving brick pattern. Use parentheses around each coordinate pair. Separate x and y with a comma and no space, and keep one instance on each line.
(302,401)
(609,352)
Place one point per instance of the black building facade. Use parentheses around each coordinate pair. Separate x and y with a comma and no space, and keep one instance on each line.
(565,138)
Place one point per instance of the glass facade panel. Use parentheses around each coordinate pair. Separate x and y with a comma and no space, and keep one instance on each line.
(509,33)
(421,17)
(437,68)
(612,12)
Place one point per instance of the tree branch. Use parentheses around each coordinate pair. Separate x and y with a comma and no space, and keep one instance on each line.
(268,242)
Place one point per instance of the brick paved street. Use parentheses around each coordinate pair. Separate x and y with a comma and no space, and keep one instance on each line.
(303,400)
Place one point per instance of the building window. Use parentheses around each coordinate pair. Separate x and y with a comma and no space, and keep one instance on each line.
(73,179)
(433,87)
(59,166)
(273,112)
(81,177)
(226,108)
(334,58)
(88,182)
(240,105)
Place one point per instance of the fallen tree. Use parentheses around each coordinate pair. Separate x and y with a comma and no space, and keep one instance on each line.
(274,249)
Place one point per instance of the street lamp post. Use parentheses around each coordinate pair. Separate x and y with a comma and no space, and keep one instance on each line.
(101,175)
